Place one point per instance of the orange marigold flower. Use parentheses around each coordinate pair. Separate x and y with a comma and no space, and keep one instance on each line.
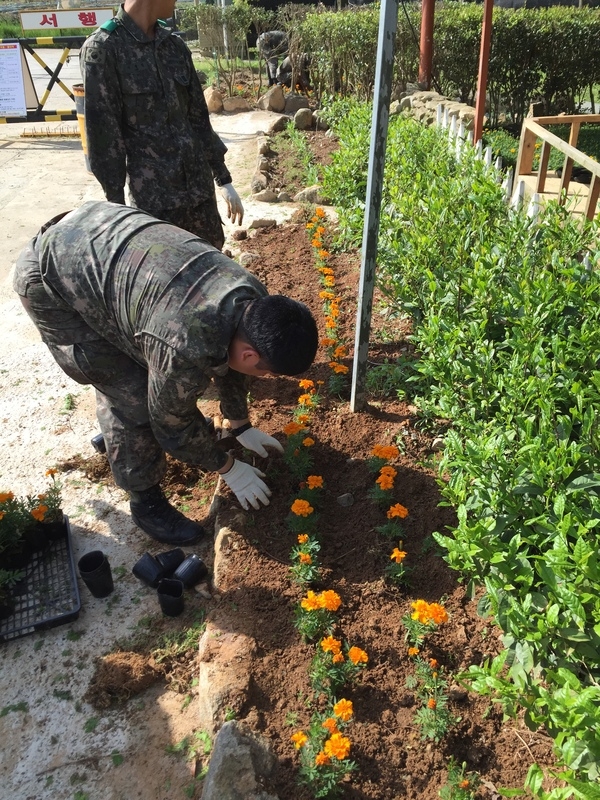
(329,280)
(320,229)
(39,513)
(309,226)
(387,470)
(421,611)
(397,510)
(321,759)
(398,555)
(319,212)
(2,514)
(308,442)
(311,602)
(438,613)
(305,558)
(338,658)
(334,311)
(385,482)
(320,383)
(331,645)
(464,784)
(343,709)
(327,271)
(330,724)
(299,739)
(340,352)
(305,400)
(292,428)
(337,747)
(326,342)
(50,472)
(330,600)
(4,496)
(357,656)
(303,538)
(302,508)
(431,703)
(315,482)
(433,663)
(306,384)
(316,242)
(303,418)
(413,651)
(330,323)
(339,369)
(41,496)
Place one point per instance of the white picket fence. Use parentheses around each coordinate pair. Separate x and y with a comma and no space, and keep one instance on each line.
(460,138)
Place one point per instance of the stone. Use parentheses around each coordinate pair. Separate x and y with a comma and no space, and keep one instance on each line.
(279,124)
(263,146)
(320,124)
(272,100)
(293,102)
(202,77)
(247,258)
(303,119)
(235,103)
(284,197)
(345,500)
(240,763)
(239,235)
(457,694)
(309,195)
(437,444)
(266,196)
(214,100)
(406,103)
(263,164)
(263,223)
(395,107)
(259,182)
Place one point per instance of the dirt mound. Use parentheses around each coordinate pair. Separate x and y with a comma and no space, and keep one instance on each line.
(119,676)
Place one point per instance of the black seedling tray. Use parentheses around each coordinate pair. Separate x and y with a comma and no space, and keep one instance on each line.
(48,594)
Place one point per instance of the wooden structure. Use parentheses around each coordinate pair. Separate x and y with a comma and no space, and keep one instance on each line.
(534,129)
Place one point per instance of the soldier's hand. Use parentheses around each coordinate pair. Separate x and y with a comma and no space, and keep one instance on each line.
(245,482)
(255,440)
(235,209)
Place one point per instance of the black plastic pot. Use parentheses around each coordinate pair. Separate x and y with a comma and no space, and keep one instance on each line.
(55,529)
(191,571)
(96,574)
(170,597)
(170,560)
(148,570)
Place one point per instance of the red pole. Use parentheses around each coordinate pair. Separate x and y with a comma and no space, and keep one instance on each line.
(484,60)
(426,45)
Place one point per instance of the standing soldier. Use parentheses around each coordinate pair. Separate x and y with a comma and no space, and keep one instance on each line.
(149,315)
(146,121)
(272,46)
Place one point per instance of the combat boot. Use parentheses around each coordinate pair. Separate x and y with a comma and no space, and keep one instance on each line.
(152,512)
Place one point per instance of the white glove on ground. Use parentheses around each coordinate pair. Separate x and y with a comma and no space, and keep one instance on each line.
(255,440)
(245,482)
(235,209)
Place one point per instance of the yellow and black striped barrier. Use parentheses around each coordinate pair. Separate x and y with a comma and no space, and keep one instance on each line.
(39,114)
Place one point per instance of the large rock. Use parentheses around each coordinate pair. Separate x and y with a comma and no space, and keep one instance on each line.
(266,196)
(259,182)
(235,103)
(214,100)
(303,119)
(273,100)
(293,102)
(279,124)
(240,763)
(311,194)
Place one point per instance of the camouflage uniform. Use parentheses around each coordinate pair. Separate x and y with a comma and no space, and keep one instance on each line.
(146,119)
(271,45)
(144,312)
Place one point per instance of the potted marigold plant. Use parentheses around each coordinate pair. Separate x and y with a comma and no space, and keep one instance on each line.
(49,504)
(8,578)
(13,520)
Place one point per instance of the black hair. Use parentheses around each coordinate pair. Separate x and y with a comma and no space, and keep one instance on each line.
(283,331)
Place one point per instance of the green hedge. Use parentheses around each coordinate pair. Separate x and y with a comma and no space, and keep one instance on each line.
(551,54)
(507,326)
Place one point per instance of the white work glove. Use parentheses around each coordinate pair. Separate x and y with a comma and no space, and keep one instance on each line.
(255,440)
(235,209)
(245,482)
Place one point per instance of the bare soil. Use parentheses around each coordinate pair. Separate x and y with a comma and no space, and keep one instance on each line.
(258,597)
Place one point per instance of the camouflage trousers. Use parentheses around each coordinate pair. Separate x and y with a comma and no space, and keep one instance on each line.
(136,459)
(202,220)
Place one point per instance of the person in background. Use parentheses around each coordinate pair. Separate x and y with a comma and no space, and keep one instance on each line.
(147,122)
(149,315)
(272,46)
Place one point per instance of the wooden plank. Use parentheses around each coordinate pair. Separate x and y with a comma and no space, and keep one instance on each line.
(543,168)
(564,147)
(526,150)
(565,120)
(592,200)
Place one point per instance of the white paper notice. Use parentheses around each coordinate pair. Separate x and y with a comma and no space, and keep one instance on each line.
(12,88)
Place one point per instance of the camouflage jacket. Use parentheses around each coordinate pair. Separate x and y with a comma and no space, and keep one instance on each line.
(146,118)
(167,299)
